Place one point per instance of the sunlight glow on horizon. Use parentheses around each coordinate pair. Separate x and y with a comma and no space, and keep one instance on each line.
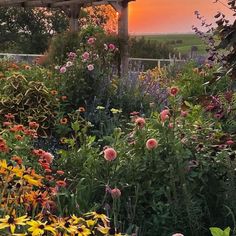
(167,16)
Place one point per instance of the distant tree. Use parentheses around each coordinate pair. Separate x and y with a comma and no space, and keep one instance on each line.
(29,30)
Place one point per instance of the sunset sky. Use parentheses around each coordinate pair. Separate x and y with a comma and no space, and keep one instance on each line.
(170,16)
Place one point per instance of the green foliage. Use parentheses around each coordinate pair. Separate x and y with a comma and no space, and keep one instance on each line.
(219,232)
(29,30)
(28,101)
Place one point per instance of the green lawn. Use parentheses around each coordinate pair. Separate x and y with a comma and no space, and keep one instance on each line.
(186,41)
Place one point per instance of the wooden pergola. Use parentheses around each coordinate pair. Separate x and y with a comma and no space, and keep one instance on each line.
(72,9)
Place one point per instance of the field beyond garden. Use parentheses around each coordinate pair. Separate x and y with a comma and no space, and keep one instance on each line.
(180,42)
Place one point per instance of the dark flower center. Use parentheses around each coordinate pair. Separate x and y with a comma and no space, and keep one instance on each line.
(41,227)
(11,220)
(67,224)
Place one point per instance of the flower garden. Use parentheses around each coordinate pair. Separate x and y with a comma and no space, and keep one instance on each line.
(84,151)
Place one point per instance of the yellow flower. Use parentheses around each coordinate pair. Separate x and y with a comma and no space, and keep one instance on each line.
(103,230)
(38,228)
(11,221)
(97,215)
(31,180)
(82,231)
(66,225)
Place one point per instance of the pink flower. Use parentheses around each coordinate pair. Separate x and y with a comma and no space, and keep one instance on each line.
(112,47)
(90,67)
(63,70)
(72,55)
(91,40)
(110,154)
(177,234)
(115,193)
(171,126)
(183,113)
(165,114)
(230,142)
(174,91)
(140,122)
(151,144)
(85,56)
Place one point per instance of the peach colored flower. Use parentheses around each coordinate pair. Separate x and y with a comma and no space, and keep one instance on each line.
(54,92)
(140,121)
(64,121)
(115,193)
(110,154)
(178,234)
(151,144)
(165,115)
(81,109)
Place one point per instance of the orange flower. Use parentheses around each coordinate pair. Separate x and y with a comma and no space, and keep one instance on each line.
(63,121)
(33,125)
(19,137)
(17,159)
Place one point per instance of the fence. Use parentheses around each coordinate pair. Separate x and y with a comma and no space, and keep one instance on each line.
(142,64)
(29,58)
(135,64)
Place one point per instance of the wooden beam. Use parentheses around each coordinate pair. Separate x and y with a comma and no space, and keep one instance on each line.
(123,35)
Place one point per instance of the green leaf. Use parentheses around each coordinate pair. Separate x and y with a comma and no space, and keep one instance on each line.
(227,231)
(216,231)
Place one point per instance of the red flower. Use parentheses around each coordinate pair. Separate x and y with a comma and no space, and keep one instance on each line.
(61,183)
(174,91)
(60,172)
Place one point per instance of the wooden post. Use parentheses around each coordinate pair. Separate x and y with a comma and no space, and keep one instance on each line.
(74,14)
(123,35)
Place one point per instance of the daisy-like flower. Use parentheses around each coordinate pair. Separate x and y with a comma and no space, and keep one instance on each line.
(82,231)
(98,215)
(38,228)
(10,221)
